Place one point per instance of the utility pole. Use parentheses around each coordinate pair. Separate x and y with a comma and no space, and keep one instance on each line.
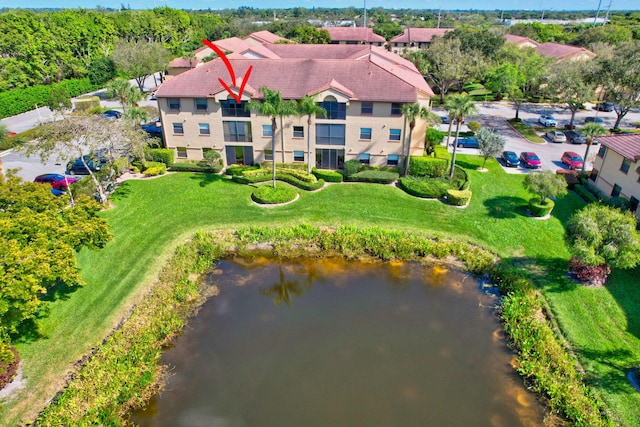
(439,12)
(595,20)
(606,17)
(364,20)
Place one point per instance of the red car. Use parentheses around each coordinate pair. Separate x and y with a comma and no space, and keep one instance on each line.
(571,159)
(56,180)
(530,160)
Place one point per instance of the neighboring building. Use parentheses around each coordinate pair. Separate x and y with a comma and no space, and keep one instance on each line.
(563,52)
(262,37)
(362,88)
(180,65)
(616,169)
(415,38)
(354,35)
(521,41)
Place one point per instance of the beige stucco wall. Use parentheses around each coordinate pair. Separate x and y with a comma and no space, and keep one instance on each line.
(609,174)
(379,146)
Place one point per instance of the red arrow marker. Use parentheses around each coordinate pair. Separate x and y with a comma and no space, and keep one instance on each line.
(224,58)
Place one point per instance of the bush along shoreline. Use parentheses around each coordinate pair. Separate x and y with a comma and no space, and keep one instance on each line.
(124,371)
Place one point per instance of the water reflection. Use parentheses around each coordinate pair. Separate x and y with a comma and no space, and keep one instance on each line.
(359,344)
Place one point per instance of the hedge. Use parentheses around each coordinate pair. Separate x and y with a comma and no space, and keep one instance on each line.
(252,178)
(458,197)
(538,209)
(431,167)
(427,188)
(297,166)
(585,194)
(163,155)
(17,101)
(239,169)
(374,176)
(352,167)
(327,175)
(193,167)
(268,195)
(381,168)
(155,168)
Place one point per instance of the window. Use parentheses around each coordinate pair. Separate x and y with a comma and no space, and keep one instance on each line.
(616,190)
(201,104)
(364,158)
(178,129)
(298,156)
(237,131)
(335,110)
(182,152)
(330,134)
(298,132)
(268,154)
(633,204)
(394,134)
(392,160)
(267,130)
(594,175)
(366,108)
(204,128)
(602,150)
(173,103)
(396,109)
(626,163)
(230,108)
(365,133)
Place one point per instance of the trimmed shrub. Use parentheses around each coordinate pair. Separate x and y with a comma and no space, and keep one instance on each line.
(163,155)
(351,167)
(192,167)
(239,169)
(431,167)
(327,175)
(585,194)
(621,203)
(268,195)
(374,176)
(458,197)
(87,104)
(538,209)
(424,187)
(594,274)
(474,126)
(213,160)
(155,168)
(297,166)
(394,169)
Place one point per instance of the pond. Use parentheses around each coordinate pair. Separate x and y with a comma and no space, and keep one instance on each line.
(337,343)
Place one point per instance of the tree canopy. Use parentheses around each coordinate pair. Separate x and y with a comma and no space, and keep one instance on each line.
(546,184)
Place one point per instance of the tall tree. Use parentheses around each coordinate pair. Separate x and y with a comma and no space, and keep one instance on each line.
(59,99)
(442,63)
(620,76)
(490,144)
(122,90)
(568,81)
(411,113)
(272,105)
(590,131)
(309,107)
(459,106)
(141,59)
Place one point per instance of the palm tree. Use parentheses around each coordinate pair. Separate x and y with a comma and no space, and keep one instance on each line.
(308,106)
(136,115)
(590,131)
(459,106)
(121,89)
(274,106)
(411,112)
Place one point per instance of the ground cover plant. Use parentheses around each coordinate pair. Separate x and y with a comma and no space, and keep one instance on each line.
(144,236)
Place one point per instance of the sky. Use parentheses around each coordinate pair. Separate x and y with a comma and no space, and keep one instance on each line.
(286,4)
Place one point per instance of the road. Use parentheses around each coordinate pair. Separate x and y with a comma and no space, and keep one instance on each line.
(494,115)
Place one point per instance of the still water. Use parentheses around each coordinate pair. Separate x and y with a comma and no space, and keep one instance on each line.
(337,343)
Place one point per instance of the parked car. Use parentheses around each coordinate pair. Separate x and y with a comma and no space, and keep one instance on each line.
(571,159)
(445,120)
(593,119)
(76,166)
(152,129)
(468,142)
(56,180)
(604,106)
(556,136)
(112,114)
(510,159)
(548,121)
(575,137)
(530,160)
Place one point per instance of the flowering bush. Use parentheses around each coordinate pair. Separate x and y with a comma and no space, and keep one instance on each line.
(594,274)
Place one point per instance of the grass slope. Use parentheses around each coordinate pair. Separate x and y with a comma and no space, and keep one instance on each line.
(151,217)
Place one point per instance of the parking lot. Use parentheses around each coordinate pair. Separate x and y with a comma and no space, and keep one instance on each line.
(494,116)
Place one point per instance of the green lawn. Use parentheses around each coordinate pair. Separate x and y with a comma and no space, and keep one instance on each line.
(151,217)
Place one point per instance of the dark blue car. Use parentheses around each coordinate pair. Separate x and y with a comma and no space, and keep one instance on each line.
(510,159)
(468,142)
(77,166)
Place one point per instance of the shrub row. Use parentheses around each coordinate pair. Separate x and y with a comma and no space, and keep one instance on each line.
(267,195)
(540,209)
(458,197)
(17,101)
(327,175)
(428,188)
(542,360)
(585,194)
(394,169)
(154,169)
(163,155)
(193,167)
(424,166)
(281,176)
(239,169)
(297,166)
(374,176)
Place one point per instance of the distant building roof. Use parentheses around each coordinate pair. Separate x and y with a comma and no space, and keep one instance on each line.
(184,63)
(264,37)
(419,35)
(519,40)
(358,34)
(563,51)
(627,146)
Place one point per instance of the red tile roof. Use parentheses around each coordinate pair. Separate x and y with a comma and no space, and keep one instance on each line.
(419,35)
(367,80)
(319,51)
(265,37)
(562,51)
(627,146)
(354,34)
(512,38)
(184,63)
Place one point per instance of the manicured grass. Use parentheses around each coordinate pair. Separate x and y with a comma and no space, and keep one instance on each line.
(527,132)
(151,217)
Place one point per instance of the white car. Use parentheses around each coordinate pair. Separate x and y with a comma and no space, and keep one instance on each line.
(548,121)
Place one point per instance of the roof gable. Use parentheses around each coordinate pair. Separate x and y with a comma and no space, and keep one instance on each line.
(627,146)
(419,35)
